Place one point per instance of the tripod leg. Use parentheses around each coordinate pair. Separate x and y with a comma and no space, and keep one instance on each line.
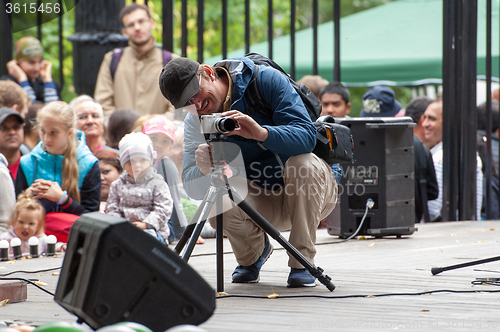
(219,245)
(317,272)
(436,270)
(205,211)
(190,227)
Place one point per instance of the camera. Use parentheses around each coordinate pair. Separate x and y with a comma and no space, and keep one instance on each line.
(216,124)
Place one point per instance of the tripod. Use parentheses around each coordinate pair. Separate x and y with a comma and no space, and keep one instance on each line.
(219,187)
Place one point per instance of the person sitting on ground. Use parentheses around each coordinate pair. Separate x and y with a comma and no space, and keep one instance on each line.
(161,131)
(60,171)
(314,83)
(32,72)
(273,148)
(31,136)
(8,197)
(109,163)
(26,221)
(89,117)
(140,194)
(120,123)
(11,140)
(334,99)
(13,96)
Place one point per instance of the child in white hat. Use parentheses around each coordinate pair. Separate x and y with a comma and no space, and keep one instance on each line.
(140,194)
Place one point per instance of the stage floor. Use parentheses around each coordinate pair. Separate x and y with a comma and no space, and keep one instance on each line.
(360,269)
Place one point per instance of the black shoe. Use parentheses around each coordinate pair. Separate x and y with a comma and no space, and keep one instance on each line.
(250,274)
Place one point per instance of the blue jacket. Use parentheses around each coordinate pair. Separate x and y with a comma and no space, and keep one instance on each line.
(39,164)
(291,130)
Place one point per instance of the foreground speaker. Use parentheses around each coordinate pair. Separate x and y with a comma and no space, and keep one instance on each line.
(383,171)
(114,272)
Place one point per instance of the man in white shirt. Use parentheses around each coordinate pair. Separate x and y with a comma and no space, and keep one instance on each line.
(433,139)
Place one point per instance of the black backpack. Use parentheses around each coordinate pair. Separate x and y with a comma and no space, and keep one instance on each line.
(334,142)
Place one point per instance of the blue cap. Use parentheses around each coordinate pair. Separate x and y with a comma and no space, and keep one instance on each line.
(379,101)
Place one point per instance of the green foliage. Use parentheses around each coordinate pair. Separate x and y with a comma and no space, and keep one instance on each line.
(50,43)
(212,35)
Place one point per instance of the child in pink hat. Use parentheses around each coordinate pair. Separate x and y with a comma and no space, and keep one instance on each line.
(161,131)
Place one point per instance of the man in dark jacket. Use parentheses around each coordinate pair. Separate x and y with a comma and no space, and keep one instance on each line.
(287,184)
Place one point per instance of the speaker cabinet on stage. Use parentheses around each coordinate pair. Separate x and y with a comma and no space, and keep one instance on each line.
(113,271)
(383,171)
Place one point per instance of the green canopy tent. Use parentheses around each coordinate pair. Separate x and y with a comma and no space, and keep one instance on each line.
(399,43)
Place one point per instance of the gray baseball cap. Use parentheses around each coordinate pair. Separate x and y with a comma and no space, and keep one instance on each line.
(5,112)
(178,81)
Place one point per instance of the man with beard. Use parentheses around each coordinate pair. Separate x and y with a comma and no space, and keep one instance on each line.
(128,77)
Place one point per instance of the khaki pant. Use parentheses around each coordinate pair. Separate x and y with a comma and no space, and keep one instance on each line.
(309,195)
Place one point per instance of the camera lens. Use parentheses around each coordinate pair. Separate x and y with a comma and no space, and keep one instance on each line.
(225,125)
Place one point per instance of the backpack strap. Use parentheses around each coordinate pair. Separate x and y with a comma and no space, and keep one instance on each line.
(252,95)
(117,54)
(115,58)
(167,56)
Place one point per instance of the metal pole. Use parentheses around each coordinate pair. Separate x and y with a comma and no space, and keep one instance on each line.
(224,29)
(293,11)
(184,36)
(270,27)
(200,30)
(467,185)
(450,80)
(5,40)
(315,37)
(168,25)
(61,48)
(39,21)
(489,117)
(336,19)
(247,26)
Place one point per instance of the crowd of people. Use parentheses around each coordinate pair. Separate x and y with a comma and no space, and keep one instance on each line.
(124,153)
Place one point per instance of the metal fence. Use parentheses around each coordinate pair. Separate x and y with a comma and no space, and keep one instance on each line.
(459,76)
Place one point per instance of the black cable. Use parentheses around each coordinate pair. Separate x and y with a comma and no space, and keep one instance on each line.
(30,282)
(37,271)
(356,296)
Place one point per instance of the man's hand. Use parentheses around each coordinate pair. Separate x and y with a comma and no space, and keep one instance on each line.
(46,71)
(249,128)
(203,160)
(16,71)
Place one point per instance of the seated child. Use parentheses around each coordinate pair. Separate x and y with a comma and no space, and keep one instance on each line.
(161,131)
(27,220)
(140,194)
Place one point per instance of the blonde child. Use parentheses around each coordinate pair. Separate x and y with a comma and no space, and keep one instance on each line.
(60,171)
(26,221)
(140,194)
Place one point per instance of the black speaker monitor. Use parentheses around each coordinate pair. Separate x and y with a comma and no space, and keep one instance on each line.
(114,272)
(383,171)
